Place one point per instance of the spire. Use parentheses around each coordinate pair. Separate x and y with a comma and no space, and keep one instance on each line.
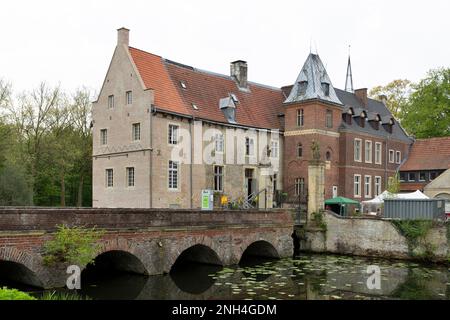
(349,78)
(313,82)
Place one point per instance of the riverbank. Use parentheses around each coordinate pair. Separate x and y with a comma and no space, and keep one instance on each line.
(372,237)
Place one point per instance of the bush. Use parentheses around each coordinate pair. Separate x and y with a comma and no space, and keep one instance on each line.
(415,232)
(62,296)
(13,294)
(76,245)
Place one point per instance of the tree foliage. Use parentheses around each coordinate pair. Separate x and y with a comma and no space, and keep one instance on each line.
(397,94)
(14,294)
(76,245)
(427,113)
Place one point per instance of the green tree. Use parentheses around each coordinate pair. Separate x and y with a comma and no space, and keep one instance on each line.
(397,93)
(393,186)
(427,113)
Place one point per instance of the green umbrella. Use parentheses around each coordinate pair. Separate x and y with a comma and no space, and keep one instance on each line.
(340,200)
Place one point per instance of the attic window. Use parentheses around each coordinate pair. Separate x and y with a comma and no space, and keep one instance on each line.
(302,85)
(326,88)
(183,85)
(194,106)
(233,96)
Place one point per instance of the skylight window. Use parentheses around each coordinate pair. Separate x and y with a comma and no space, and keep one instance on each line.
(194,106)
(183,84)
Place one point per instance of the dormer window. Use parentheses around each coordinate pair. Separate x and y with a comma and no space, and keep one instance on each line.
(302,85)
(234,97)
(326,89)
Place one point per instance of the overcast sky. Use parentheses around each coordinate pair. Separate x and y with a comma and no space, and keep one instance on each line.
(71,42)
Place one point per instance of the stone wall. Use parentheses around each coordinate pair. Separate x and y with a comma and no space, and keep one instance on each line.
(371,237)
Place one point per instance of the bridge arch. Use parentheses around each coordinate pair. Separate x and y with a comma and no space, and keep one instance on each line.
(119,260)
(198,253)
(20,267)
(262,248)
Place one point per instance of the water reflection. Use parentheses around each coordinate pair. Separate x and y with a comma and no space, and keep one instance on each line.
(301,278)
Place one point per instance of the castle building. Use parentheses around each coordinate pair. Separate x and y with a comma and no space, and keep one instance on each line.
(164,131)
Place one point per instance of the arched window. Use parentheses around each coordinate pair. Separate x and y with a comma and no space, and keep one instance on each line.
(328,156)
(299,150)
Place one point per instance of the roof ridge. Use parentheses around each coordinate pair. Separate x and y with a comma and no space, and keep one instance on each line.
(147,52)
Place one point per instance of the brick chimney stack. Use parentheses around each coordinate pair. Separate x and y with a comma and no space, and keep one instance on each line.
(238,70)
(123,36)
(361,94)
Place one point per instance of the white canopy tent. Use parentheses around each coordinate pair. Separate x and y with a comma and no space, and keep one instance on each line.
(373,206)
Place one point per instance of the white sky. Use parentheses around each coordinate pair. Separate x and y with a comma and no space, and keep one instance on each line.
(71,42)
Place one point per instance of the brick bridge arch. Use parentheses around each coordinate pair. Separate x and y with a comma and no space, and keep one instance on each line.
(29,269)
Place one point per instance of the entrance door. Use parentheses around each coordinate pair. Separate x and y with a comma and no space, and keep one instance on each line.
(335,193)
(249,182)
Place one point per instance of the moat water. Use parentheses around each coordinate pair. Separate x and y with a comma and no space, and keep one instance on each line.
(308,276)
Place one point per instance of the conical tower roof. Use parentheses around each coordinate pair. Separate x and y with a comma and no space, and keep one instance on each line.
(313,82)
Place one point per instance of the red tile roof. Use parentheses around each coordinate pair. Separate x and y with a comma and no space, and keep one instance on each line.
(428,154)
(257,108)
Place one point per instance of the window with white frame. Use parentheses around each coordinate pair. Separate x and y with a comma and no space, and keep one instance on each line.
(378,152)
(357,185)
(377,186)
(299,186)
(422,176)
(173,134)
(111,101)
(109,178)
(367,186)
(173,175)
(249,146)
(136,131)
(218,178)
(103,136)
(130,176)
(398,157)
(274,149)
(329,119)
(218,139)
(368,151)
(357,150)
(391,156)
(411,176)
(129,97)
(300,118)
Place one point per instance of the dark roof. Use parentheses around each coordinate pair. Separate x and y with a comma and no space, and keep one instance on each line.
(373,106)
(428,154)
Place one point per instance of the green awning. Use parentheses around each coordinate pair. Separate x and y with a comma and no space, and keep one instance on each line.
(340,200)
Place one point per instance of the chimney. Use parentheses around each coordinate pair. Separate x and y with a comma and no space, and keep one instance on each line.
(123,36)
(361,94)
(383,98)
(238,70)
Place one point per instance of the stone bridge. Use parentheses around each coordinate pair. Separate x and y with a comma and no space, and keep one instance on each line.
(144,241)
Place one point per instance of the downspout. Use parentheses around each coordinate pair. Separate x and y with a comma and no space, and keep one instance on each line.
(151,154)
(191,164)
(386,163)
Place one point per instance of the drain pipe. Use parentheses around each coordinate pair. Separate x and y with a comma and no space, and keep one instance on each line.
(191,164)
(152,113)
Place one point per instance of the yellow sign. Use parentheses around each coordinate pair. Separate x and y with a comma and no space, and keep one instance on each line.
(223,200)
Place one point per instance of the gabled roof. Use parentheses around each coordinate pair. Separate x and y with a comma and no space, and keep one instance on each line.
(259,107)
(428,154)
(309,83)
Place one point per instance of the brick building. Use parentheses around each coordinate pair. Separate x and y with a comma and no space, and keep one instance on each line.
(147,102)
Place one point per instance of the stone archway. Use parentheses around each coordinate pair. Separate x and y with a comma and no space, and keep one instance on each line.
(260,248)
(21,267)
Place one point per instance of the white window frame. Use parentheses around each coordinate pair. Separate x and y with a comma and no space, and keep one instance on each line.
(130,176)
(218,142)
(108,178)
(249,146)
(398,157)
(329,118)
(172,172)
(367,186)
(111,101)
(409,180)
(218,178)
(379,159)
(366,143)
(103,137)
(299,186)
(421,180)
(300,118)
(391,156)
(136,131)
(173,134)
(357,194)
(359,158)
(274,149)
(129,97)
(377,186)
